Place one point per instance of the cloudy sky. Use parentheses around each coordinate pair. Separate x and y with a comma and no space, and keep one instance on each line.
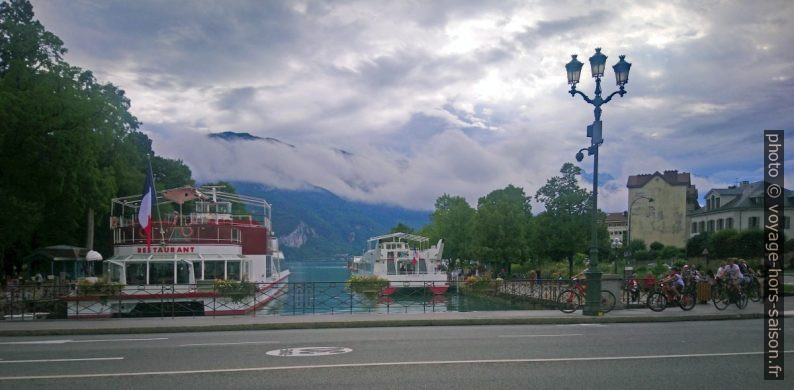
(401,101)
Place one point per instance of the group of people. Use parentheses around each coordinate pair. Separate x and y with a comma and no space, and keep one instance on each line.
(736,272)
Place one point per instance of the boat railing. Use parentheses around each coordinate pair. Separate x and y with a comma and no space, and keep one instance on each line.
(170,233)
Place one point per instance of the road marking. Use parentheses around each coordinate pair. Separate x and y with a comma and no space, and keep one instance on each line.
(36,342)
(59,360)
(359,365)
(240,343)
(75,341)
(99,341)
(309,351)
(540,335)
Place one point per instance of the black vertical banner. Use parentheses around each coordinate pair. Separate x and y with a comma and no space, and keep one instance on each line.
(774,223)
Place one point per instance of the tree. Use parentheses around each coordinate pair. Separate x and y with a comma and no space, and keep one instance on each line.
(453,221)
(501,227)
(67,142)
(401,228)
(564,228)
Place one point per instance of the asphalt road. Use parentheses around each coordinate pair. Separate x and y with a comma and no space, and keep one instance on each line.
(678,355)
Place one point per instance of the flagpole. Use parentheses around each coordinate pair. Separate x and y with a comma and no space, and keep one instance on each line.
(156,203)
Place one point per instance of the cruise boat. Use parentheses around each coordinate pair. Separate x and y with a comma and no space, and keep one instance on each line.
(407,261)
(220,257)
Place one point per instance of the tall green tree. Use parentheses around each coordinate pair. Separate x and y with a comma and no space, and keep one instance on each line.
(564,228)
(68,143)
(501,227)
(453,221)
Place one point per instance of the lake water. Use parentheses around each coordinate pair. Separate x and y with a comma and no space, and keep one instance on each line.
(318,287)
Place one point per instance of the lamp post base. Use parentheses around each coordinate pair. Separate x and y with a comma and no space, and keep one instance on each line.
(592,306)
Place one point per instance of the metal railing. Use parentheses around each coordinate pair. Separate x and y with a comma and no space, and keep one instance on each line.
(49,301)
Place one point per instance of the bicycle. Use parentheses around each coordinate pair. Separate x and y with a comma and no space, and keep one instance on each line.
(570,299)
(723,295)
(657,299)
(754,290)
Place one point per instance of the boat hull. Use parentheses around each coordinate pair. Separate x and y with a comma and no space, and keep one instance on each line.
(186,301)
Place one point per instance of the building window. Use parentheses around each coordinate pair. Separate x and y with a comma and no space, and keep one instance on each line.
(711,226)
(718,203)
(729,223)
(720,224)
(694,227)
(787,223)
(752,223)
(702,227)
(708,204)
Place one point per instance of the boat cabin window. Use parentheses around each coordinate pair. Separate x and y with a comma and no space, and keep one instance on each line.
(390,268)
(233,270)
(214,270)
(136,273)
(422,266)
(161,272)
(268,266)
(182,272)
(114,272)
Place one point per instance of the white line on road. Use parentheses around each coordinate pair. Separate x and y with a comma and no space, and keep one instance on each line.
(540,335)
(240,343)
(75,341)
(358,365)
(60,360)
(98,341)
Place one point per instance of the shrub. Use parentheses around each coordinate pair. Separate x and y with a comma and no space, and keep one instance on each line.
(236,290)
(366,283)
(101,287)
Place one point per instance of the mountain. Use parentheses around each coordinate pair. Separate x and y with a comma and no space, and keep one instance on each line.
(318,225)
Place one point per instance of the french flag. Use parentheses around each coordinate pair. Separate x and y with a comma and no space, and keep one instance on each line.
(145,212)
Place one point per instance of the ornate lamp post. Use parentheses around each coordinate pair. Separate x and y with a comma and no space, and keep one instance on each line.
(628,233)
(574,70)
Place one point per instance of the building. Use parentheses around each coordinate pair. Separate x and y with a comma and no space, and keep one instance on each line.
(616,227)
(736,207)
(665,219)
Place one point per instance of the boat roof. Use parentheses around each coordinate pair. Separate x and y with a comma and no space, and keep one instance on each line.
(400,236)
(180,195)
(175,256)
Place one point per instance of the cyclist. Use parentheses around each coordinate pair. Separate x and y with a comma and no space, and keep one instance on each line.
(734,274)
(746,272)
(673,284)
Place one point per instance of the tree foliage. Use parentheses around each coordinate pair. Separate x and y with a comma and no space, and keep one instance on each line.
(453,220)
(564,228)
(68,143)
(501,226)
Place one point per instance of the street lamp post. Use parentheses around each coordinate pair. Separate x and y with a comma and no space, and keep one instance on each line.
(574,70)
(628,233)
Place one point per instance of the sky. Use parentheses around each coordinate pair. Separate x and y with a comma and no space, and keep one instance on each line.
(399,102)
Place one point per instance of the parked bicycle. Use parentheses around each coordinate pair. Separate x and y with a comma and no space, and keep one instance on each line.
(571,299)
(723,294)
(658,301)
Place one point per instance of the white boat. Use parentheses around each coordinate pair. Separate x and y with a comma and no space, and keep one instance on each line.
(221,258)
(407,261)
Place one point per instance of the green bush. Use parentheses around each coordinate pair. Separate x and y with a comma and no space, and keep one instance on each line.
(366,283)
(236,290)
(101,288)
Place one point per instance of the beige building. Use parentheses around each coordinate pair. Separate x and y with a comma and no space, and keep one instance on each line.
(616,227)
(665,219)
(736,207)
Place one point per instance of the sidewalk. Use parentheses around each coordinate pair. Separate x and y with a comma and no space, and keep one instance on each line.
(703,312)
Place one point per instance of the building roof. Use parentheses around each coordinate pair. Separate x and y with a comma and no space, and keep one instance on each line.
(616,217)
(674,178)
(747,196)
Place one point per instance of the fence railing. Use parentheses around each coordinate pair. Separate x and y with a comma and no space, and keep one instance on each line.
(30,302)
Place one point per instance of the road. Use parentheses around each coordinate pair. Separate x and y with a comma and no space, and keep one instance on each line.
(706,354)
